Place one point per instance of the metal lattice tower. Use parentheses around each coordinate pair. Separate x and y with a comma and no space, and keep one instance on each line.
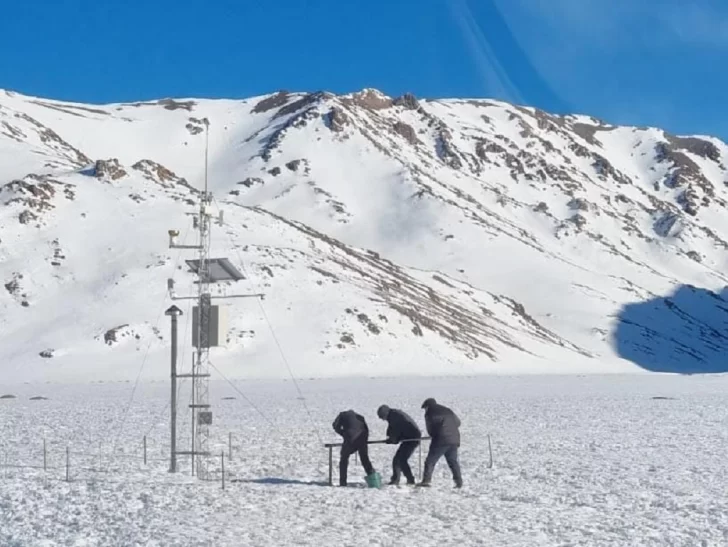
(208,324)
(201,367)
(202,415)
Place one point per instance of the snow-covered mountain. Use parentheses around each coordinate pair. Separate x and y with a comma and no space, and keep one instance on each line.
(390,236)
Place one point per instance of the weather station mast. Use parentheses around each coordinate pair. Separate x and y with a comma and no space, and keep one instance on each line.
(209,329)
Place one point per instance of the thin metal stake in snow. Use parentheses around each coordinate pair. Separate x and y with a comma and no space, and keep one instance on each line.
(490,453)
(145,450)
(222,462)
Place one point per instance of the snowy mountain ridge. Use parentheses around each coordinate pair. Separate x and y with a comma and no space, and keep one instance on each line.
(390,236)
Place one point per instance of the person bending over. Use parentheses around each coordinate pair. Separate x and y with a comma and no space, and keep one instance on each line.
(401,429)
(353,429)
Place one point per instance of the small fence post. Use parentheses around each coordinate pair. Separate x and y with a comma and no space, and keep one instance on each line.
(331,463)
(230,446)
(68,464)
(145,450)
(222,462)
(490,453)
(45,456)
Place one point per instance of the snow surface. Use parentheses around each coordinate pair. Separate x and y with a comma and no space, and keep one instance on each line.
(595,460)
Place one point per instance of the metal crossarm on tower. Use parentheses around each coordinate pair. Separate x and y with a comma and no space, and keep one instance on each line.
(209,325)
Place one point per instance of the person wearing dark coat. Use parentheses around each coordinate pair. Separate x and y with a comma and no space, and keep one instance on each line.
(354,430)
(443,426)
(401,428)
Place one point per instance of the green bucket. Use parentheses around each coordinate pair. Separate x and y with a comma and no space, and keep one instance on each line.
(374,480)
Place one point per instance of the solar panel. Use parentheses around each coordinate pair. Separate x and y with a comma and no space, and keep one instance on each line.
(221,269)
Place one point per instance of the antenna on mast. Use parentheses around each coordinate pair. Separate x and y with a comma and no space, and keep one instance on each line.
(207,145)
(209,325)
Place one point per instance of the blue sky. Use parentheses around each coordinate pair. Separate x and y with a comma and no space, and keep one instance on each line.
(642,62)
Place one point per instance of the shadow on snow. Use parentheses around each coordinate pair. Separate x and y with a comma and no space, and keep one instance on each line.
(686,333)
(277,481)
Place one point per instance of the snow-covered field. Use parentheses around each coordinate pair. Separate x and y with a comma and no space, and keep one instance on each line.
(594,460)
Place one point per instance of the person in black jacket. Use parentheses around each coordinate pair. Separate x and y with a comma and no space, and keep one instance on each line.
(401,428)
(443,426)
(353,429)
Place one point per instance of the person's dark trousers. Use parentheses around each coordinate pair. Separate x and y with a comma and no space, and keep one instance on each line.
(400,465)
(359,445)
(450,451)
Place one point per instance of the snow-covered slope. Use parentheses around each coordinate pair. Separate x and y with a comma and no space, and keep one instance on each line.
(390,236)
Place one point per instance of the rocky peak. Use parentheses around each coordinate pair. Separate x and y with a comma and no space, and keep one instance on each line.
(109,169)
(408,101)
(303,103)
(276,100)
(697,146)
(406,130)
(157,173)
(337,119)
(370,98)
(33,195)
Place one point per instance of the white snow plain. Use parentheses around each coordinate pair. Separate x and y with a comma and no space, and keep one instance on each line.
(578,460)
